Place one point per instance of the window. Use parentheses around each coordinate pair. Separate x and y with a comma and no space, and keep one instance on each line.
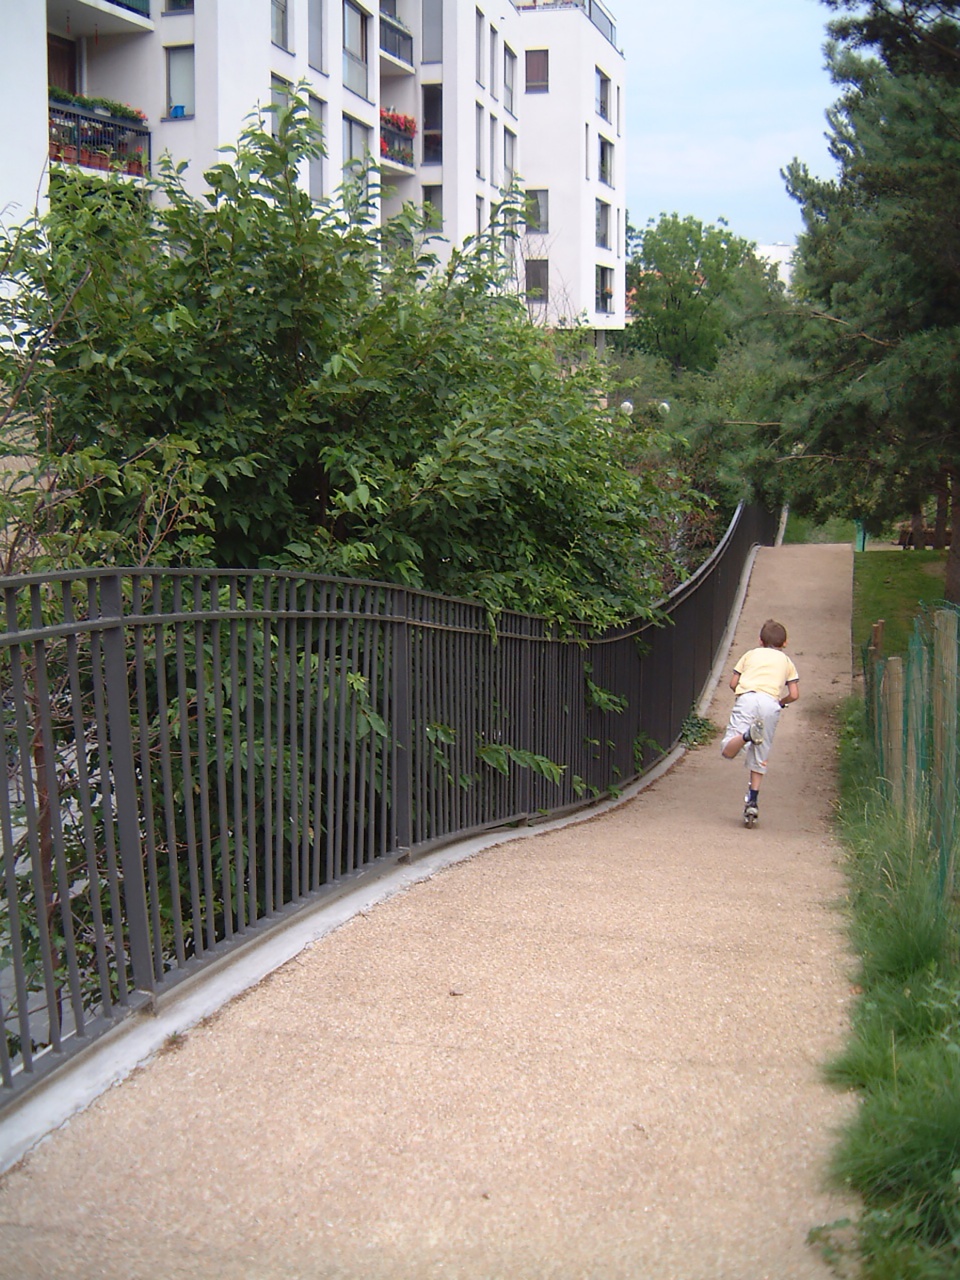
(180,81)
(278,23)
(432,135)
(494,131)
(478,140)
(279,98)
(537,279)
(356,143)
(603,225)
(536,212)
(178,6)
(481,27)
(605,290)
(433,206)
(605,166)
(432,18)
(493,62)
(603,95)
(479,215)
(538,70)
(315,175)
(509,158)
(315,33)
(355,48)
(509,78)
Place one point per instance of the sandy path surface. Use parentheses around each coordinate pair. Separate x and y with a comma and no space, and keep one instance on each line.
(588,1055)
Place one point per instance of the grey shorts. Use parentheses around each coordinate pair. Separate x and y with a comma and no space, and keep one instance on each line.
(747,708)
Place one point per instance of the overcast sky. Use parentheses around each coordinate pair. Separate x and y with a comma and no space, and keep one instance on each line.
(721,95)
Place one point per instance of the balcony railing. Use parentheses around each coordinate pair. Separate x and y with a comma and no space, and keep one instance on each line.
(594,10)
(395,39)
(396,146)
(135,6)
(79,136)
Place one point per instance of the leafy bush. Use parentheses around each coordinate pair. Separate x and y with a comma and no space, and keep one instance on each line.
(354,408)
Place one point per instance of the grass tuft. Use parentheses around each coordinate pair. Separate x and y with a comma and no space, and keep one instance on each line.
(901,1152)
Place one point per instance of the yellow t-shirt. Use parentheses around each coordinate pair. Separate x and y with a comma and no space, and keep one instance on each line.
(765,670)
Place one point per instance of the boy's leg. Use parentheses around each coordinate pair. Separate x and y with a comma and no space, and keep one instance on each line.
(742,716)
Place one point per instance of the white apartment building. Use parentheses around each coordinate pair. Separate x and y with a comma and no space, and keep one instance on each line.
(497,90)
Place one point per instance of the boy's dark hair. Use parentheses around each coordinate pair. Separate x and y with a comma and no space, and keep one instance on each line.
(773,634)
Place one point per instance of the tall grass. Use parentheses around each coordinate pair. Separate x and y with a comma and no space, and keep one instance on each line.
(901,1152)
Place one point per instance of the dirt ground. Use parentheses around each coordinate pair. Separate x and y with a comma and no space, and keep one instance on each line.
(592,1054)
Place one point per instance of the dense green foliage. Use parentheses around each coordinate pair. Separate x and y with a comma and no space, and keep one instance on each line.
(346,404)
(702,340)
(690,289)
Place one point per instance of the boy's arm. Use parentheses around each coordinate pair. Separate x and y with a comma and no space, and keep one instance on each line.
(793,692)
(734,681)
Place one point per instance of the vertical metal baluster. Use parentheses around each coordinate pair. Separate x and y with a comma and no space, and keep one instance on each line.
(11,886)
(350,851)
(306,720)
(203,763)
(331,867)
(320,810)
(268,762)
(166,769)
(280,751)
(220,750)
(107,782)
(238,697)
(297,886)
(251,632)
(146,787)
(80,736)
(125,785)
(186,767)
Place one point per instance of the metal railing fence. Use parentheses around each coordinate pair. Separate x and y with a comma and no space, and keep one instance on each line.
(95,141)
(191,755)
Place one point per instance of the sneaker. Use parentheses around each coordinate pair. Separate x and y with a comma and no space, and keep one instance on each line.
(750,814)
(755,733)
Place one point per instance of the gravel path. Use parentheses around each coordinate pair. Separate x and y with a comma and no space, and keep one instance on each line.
(588,1055)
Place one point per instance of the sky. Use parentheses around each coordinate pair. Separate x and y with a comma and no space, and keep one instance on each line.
(720,96)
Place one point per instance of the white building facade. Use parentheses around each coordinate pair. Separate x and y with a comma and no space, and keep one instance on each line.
(456,99)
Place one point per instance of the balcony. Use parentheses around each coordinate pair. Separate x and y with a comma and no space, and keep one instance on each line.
(395,40)
(97,140)
(117,18)
(594,10)
(397,132)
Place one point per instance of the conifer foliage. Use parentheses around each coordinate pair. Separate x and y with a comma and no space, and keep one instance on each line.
(873,429)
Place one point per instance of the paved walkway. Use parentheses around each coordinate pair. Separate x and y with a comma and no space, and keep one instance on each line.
(591,1054)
